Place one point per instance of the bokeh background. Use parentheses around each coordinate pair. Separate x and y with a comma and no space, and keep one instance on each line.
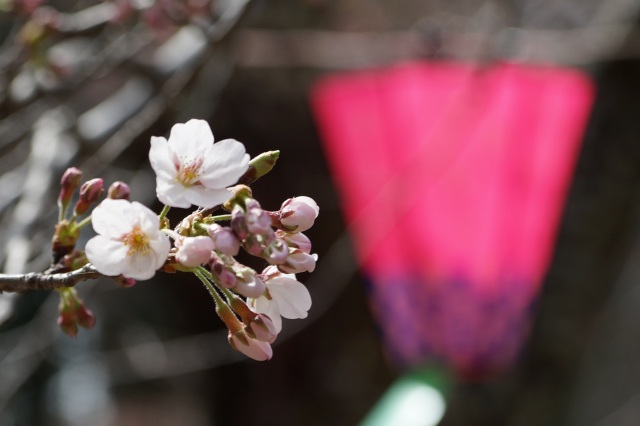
(87,83)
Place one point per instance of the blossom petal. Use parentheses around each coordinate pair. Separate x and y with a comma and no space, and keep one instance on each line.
(262,305)
(206,197)
(106,255)
(160,247)
(148,221)
(225,162)
(171,193)
(293,298)
(162,158)
(190,138)
(138,266)
(112,218)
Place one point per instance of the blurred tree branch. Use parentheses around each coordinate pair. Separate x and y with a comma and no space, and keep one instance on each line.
(44,281)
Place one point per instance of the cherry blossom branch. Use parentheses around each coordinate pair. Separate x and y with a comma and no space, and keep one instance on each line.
(44,281)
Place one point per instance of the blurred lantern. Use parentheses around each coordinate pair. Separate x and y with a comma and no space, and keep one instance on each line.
(453,178)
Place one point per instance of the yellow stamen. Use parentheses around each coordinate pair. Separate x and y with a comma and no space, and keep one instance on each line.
(189,172)
(137,242)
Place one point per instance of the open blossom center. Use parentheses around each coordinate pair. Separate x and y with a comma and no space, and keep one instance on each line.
(190,171)
(137,242)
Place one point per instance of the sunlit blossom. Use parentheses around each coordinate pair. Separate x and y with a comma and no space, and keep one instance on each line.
(191,169)
(284,297)
(129,241)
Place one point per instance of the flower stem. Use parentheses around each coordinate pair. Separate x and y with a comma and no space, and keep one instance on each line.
(199,272)
(229,295)
(222,309)
(218,218)
(204,272)
(164,212)
(62,210)
(84,222)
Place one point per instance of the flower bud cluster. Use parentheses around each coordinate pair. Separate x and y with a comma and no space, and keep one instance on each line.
(252,229)
(271,295)
(67,229)
(73,313)
(285,247)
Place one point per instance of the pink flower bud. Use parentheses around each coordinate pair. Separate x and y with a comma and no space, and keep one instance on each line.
(124,282)
(249,285)
(224,240)
(222,275)
(67,324)
(238,223)
(119,191)
(276,252)
(69,183)
(90,192)
(257,220)
(299,261)
(297,240)
(73,312)
(194,251)
(84,317)
(254,349)
(261,328)
(298,214)
(253,246)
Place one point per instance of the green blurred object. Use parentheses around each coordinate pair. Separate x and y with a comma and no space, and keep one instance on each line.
(416,398)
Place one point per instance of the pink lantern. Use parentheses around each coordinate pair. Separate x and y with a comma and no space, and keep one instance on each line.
(453,178)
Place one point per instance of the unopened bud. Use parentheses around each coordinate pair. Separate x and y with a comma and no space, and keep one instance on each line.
(67,324)
(124,282)
(253,246)
(224,240)
(73,312)
(297,240)
(90,192)
(119,191)
(254,349)
(68,184)
(221,274)
(261,328)
(257,220)
(194,251)
(84,317)
(276,252)
(238,223)
(260,166)
(298,214)
(250,285)
(299,261)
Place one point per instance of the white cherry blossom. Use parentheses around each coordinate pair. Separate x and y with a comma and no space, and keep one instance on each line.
(284,297)
(191,169)
(129,240)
